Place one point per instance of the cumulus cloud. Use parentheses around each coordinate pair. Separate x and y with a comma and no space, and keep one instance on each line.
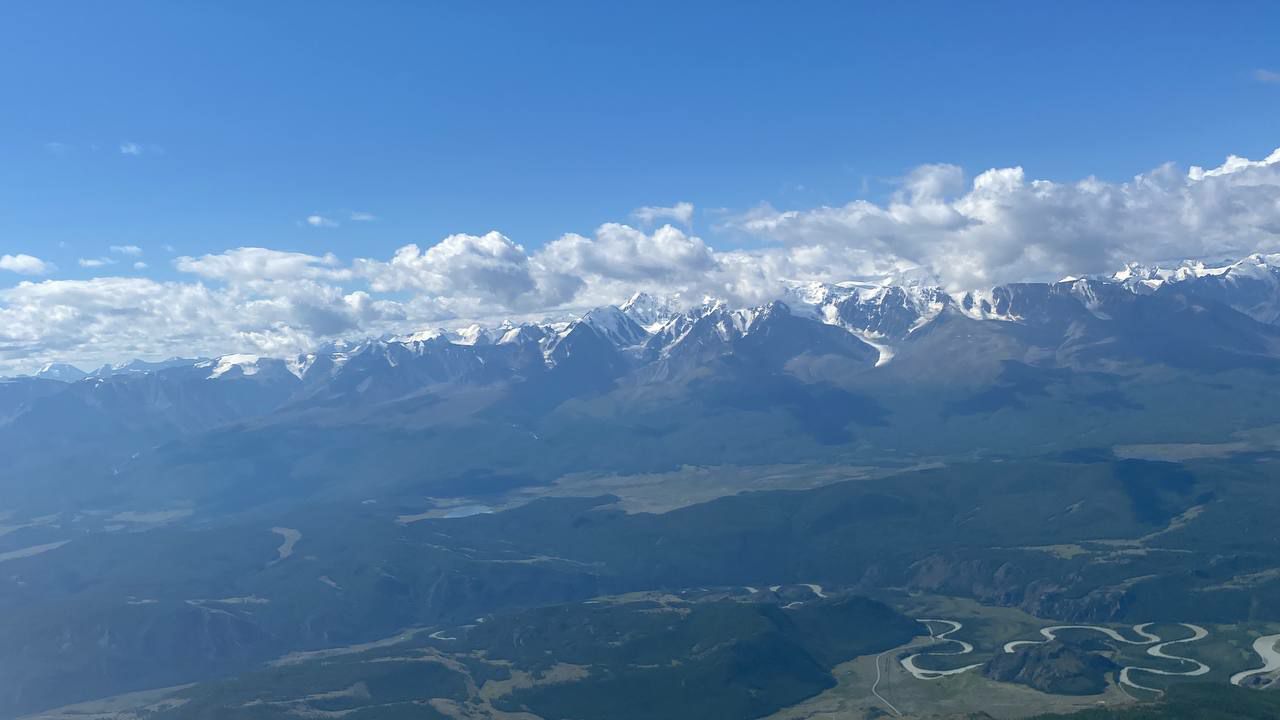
(357,216)
(467,272)
(971,231)
(681,212)
(126,249)
(618,257)
(130,148)
(622,252)
(24,264)
(1002,226)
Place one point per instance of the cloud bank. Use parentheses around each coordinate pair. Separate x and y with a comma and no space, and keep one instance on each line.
(1003,227)
(997,226)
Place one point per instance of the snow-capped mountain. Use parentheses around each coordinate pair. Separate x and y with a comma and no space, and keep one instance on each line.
(1250,285)
(616,326)
(61,372)
(876,312)
(1190,315)
(649,312)
(823,364)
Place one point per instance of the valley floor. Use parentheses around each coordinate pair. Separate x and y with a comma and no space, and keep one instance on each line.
(884,684)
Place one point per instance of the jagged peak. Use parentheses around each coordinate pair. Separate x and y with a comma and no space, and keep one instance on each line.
(242,364)
(616,326)
(426,335)
(1255,266)
(649,311)
(522,333)
(472,335)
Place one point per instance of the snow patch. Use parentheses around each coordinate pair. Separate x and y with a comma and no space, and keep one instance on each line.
(248,365)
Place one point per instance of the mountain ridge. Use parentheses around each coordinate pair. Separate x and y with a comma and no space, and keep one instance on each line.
(832,371)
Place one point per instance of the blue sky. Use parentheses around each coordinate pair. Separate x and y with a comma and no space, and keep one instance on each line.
(541,118)
(159,161)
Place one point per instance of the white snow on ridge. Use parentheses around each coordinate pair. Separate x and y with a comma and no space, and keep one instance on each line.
(472,335)
(248,365)
(981,305)
(422,336)
(300,364)
(1258,266)
(612,323)
(649,312)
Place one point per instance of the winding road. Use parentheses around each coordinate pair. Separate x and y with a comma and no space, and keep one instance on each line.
(875,686)
(1266,647)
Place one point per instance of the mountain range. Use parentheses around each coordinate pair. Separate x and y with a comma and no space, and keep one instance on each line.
(881,314)
(847,365)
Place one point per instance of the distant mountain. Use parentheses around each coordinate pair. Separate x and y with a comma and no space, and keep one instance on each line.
(648,311)
(61,372)
(767,336)
(143,366)
(828,368)
(883,314)
(616,326)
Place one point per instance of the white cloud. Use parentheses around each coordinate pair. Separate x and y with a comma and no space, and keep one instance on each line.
(250,264)
(24,264)
(320,221)
(681,212)
(997,226)
(1271,77)
(126,250)
(139,265)
(106,319)
(619,256)
(357,216)
(130,148)
(468,272)
(1003,227)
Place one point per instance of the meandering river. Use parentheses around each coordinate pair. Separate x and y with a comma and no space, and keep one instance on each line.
(1267,648)
(1157,649)
(909,663)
